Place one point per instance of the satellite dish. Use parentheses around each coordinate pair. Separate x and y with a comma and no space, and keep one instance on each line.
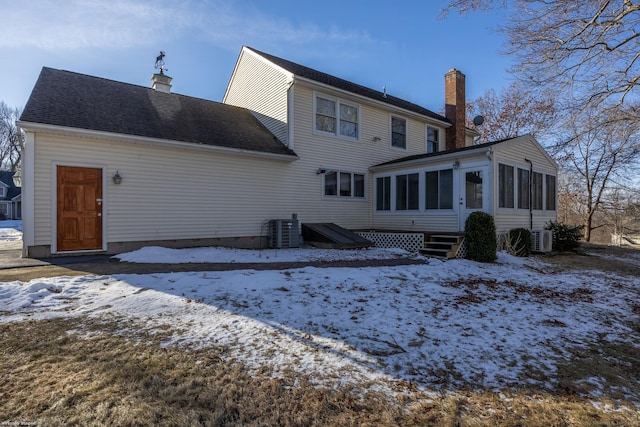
(478,120)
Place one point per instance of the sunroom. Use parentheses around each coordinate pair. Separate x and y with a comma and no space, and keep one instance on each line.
(513,180)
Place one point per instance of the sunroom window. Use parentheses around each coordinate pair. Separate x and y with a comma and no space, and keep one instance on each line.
(506,186)
(523,189)
(407,192)
(536,191)
(439,189)
(551,192)
(383,193)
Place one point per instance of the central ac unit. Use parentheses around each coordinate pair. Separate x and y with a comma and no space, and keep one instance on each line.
(283,233)
(542,240)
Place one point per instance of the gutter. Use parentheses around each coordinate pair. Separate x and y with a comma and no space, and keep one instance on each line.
(530,194)
(158,142)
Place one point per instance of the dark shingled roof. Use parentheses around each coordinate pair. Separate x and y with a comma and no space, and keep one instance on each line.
(7,178)
(69,99)
(320,77)
(441,153)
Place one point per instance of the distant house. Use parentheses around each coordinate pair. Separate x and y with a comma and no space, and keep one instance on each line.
(10,197)
(110,166)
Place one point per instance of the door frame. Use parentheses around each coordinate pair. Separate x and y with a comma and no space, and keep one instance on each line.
(54,205)
(463,213)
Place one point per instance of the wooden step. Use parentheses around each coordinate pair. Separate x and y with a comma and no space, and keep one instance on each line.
(440,253)
(442,245)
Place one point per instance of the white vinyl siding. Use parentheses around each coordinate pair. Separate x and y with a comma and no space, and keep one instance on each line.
(167,193)
(262,88)
(514,153)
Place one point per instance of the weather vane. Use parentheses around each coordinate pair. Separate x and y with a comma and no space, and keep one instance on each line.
(160,62)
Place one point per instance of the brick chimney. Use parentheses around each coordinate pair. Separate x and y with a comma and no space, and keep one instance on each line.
(161,82)
(455,108)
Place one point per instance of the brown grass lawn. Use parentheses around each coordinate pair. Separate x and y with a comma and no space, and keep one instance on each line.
(82,372)
(86,372)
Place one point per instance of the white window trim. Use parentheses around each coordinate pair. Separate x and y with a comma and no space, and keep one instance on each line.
(406,134)
(338,196)
(3,191)
(338,102)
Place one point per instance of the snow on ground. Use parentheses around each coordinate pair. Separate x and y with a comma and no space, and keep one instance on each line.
(156,254)
(10,230)
(441,324)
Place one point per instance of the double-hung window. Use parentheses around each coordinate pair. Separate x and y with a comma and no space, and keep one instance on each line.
(337,117)
(343,184)
(439,189)
(408,192)
(433,138)
(398,132)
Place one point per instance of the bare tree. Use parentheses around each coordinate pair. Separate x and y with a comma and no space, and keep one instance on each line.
(595,161)
(11,146)
(515,111)
(587,50)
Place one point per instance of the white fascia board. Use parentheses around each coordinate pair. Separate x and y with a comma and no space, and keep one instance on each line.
(366,100)
(431,159)
(157,142)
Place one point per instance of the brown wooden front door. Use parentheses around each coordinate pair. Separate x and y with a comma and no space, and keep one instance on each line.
(79,192)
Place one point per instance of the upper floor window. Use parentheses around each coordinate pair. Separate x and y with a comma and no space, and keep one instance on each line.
(3,191)
(433,139)
(337,117)
(343,184)
(398,132)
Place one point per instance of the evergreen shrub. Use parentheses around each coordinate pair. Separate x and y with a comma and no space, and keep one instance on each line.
(480,236)
(565,237)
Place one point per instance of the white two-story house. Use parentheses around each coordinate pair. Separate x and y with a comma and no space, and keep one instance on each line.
(110,166)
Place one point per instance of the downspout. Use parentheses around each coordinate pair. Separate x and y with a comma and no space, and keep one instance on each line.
(530,194)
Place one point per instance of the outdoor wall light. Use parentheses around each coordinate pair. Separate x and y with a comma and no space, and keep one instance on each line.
(321,171)
(456,164)
(117,178)
(376,139)
(17,177)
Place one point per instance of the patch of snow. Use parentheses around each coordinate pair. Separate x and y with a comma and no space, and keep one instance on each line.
(157,254)
(10,230)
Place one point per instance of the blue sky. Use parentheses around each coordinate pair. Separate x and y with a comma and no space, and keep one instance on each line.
(398,44)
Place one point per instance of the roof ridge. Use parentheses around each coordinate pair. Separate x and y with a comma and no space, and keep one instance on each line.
(348,85)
